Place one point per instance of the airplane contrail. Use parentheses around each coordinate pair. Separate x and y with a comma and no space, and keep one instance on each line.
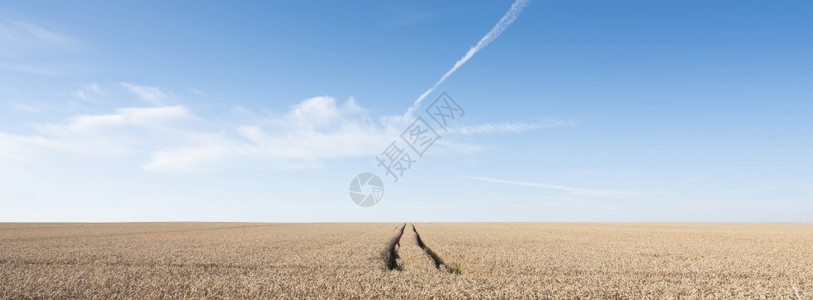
(502,25)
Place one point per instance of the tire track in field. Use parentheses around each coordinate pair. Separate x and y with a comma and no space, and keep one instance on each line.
(454,269)
(390,253)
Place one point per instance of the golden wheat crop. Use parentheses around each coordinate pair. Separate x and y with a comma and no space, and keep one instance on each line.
(453,260)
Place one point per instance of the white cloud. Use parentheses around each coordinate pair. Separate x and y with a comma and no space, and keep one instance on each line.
(572,190)
(210,149)
(139,116)
(21,147)
(150,94)
(174,139)
(313,130)
(11,146)
(321,111)
(122,132)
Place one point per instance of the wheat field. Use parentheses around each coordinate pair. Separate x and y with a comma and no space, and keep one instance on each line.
(406,260)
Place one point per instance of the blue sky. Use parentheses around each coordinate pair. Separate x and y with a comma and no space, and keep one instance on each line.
(579,111)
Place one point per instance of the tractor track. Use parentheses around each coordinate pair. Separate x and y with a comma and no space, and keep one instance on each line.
(433,255)
(390,253)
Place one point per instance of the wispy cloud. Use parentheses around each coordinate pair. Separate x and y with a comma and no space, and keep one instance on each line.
(572,190)
(37,49)
(89,91)
(172,138)
(21,38)
(26,108)
(316,129)
(137,116)
(150,94)
(580,174)
(126,131)
(502,25)
(508,127)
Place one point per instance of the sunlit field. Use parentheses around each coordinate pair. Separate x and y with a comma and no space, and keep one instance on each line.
(483,260)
